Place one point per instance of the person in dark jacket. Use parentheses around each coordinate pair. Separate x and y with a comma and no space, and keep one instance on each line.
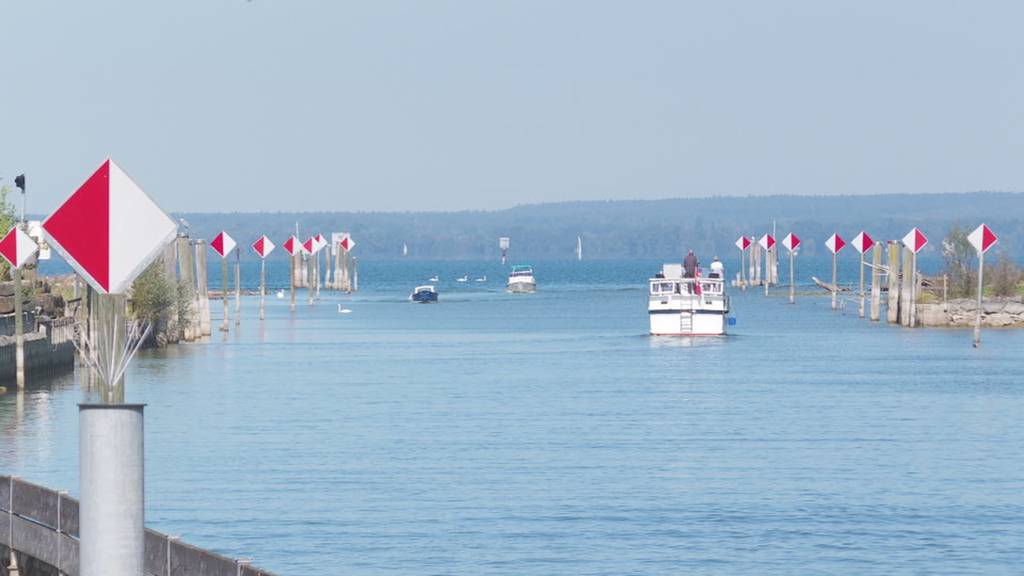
(690,265)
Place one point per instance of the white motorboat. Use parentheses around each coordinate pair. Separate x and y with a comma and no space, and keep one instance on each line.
(681,306)
(521,280)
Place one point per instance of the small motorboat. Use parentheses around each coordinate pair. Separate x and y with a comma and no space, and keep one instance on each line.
(521,280)
(465,278)
(424,294)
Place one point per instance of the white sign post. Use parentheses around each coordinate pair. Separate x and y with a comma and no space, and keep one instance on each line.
(743,243)
(109,230)
(263,247)
(862,243)
(791,242)
(915,240)
(834,244)
(17,248)
(982,239)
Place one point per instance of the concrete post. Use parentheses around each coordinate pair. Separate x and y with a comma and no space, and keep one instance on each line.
(767,269)
(355,274)
(170,259)
(185,276)
(19,330)
(111,484)
(892,299)
(292,283)
(876,281)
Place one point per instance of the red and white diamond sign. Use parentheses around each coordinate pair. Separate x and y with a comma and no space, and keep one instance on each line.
(767,241)
(982,238)
(263,246)
(915,240)
(835,243)
(109,230)
(223,244)
(743,243)
(347,243)
(17,247)
(862,242)
(791,242)
(292,245)
(310,246)
(321,242)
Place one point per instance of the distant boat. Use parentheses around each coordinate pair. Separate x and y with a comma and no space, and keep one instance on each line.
(482,279)
(579,248)
(521,280)
(465,278)
(433,278)
(424,294)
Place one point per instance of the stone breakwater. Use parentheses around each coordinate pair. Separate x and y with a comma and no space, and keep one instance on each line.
(996,313)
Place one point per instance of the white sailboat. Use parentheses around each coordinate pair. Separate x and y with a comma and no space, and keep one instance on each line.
(579,248)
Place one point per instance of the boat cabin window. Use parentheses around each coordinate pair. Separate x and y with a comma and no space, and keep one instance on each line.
(711,287)
(664,288)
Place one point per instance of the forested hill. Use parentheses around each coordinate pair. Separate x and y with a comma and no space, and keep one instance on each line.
(636,228)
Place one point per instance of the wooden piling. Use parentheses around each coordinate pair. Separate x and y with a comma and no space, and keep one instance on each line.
(743,262)
(835,285)
(767,269)
(892,299)
(876,281)
(187,275)
(355,274)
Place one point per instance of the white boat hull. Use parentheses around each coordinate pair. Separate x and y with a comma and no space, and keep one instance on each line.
(522,287)
(686,323)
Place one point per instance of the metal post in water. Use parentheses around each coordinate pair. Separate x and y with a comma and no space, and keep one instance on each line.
(309,278)
(112,506)
(355,274)
(860,310)
(792,276)
(19,330)
(981,284)
(263,284)
(835,286)
(238,287)
(892,298)
(292,283)
(767,269)
(224,293)
(913,290)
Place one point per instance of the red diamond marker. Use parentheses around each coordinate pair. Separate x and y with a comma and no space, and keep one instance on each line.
(223,244)
(263,246)
(17,247)
(791,242)
(982,238)
(292,246)
(915,240)
(835,243)
(743,243)
(862,242)
(109,230)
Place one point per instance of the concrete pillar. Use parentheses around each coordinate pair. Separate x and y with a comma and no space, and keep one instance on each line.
(202,313)
(186,275)
(111,484)
(19,330)
(170,259)
(906,287)
(355,274)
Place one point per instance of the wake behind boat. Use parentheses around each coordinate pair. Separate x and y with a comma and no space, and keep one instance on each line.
(521,280)
(680,306)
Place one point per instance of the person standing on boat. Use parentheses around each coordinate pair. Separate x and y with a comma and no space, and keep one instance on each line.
(690,265)
(717,268)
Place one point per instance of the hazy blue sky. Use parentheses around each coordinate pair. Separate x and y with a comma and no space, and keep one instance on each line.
(285,105)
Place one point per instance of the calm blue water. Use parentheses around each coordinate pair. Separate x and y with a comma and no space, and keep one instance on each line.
(547,434)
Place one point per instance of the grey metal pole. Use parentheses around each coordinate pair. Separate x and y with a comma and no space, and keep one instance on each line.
(792,275)
(860,311)
(111,477)
(292,283)
(224,293)
(981,284)
(19,330)
(835,287)
(767,269)
(238,287)
(913,291)
(263,284)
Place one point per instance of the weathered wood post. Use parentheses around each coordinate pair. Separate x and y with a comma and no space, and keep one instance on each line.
(201,311)
(915,289)
(263,285)
(860,309)
(355,274)
(876,281)
(292,283)
(892,296)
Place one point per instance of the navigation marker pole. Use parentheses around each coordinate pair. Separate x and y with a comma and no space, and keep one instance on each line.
(982,239)
(17,248)
(238,287)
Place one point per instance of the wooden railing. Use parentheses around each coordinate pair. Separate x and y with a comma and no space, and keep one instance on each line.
(43,524)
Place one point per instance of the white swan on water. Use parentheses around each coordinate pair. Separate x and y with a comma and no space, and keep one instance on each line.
(343,310)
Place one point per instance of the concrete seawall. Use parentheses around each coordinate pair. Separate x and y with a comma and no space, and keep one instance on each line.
(996,313)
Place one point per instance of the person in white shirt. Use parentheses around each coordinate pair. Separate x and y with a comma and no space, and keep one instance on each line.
(717,268)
